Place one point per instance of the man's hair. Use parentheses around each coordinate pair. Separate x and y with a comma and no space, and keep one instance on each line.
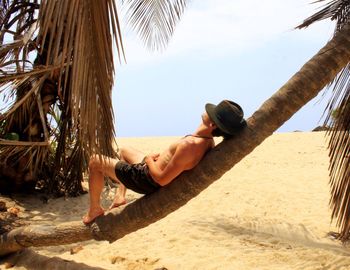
(219,133)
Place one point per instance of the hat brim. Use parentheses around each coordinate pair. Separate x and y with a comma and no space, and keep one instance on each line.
(210,109)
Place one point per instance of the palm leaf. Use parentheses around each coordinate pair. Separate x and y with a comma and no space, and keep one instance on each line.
(73,67)
(339,147)
(338,10)
(73,70)
(84,84)
(154,20)
(339,144)
(86,39)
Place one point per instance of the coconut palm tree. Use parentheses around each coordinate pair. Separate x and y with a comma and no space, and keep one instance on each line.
(339,144)
(56,72)
(301,88)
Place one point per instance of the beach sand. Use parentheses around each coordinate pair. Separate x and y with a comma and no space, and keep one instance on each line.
(268,212)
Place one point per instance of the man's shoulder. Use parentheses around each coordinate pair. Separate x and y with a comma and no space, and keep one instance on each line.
(188,146)
(186,153)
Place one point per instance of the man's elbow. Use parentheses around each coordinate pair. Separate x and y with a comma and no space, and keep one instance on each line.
(162,181)
(157,178)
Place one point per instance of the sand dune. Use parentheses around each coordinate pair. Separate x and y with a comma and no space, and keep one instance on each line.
(269,212)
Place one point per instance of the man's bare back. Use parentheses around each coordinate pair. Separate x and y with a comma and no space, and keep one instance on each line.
(195,145)
(181,156)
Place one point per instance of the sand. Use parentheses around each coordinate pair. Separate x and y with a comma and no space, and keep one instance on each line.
(268,212)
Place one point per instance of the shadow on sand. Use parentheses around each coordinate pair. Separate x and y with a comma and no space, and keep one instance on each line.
(31,260)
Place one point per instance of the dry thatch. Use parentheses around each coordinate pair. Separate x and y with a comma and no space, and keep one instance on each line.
(56,76)
(339,145)
(72,70)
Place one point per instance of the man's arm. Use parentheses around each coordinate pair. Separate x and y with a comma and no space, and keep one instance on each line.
(177,164)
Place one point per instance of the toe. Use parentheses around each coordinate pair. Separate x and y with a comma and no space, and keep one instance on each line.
(88,218)
(117,204)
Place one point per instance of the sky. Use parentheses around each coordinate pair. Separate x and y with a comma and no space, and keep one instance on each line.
(221,49)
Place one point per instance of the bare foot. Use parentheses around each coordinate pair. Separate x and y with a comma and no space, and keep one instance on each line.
(118,201)
(92,215)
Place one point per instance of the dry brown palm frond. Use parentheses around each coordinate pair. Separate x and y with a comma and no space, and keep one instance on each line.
(86,39)
(154,20)
(82,35)
(83,29)
(4,4)
(338,10)
(35,85)
(12,75)
(340,153)
(339,144)
(72,66)
(59,54)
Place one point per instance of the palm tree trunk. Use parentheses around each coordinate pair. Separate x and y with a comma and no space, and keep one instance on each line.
(301,88)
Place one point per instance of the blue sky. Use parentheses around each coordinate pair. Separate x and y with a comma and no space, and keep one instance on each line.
(222,49)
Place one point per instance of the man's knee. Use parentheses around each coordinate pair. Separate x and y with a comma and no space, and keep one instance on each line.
(123,152)
(130,155)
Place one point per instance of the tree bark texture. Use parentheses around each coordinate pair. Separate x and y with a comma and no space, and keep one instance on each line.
(301,88)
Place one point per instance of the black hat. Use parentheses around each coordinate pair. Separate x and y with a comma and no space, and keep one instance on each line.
(227,116)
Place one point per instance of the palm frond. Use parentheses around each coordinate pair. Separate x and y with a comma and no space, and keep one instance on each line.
(73,66)
(339,143)
(337,10)
(59,53)
(154,20)
(86,39)
(339,152)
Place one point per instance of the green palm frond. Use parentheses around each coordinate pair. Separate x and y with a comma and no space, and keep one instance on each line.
(339,144)
(154,20)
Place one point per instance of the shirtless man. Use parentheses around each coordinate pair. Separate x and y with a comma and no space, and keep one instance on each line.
(145,174)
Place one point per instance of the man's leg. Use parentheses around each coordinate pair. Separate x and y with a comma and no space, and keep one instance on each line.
(132,156)
(119,198)
(99,167)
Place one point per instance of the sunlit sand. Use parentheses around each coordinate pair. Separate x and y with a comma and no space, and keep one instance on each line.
(269,212)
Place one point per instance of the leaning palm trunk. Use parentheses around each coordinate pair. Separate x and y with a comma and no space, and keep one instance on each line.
(300,89)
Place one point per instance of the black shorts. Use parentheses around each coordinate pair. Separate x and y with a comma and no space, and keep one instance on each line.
(136,177)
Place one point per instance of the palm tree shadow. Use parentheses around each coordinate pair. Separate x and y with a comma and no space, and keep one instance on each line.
(31,260)
(271,234)
(39,209)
